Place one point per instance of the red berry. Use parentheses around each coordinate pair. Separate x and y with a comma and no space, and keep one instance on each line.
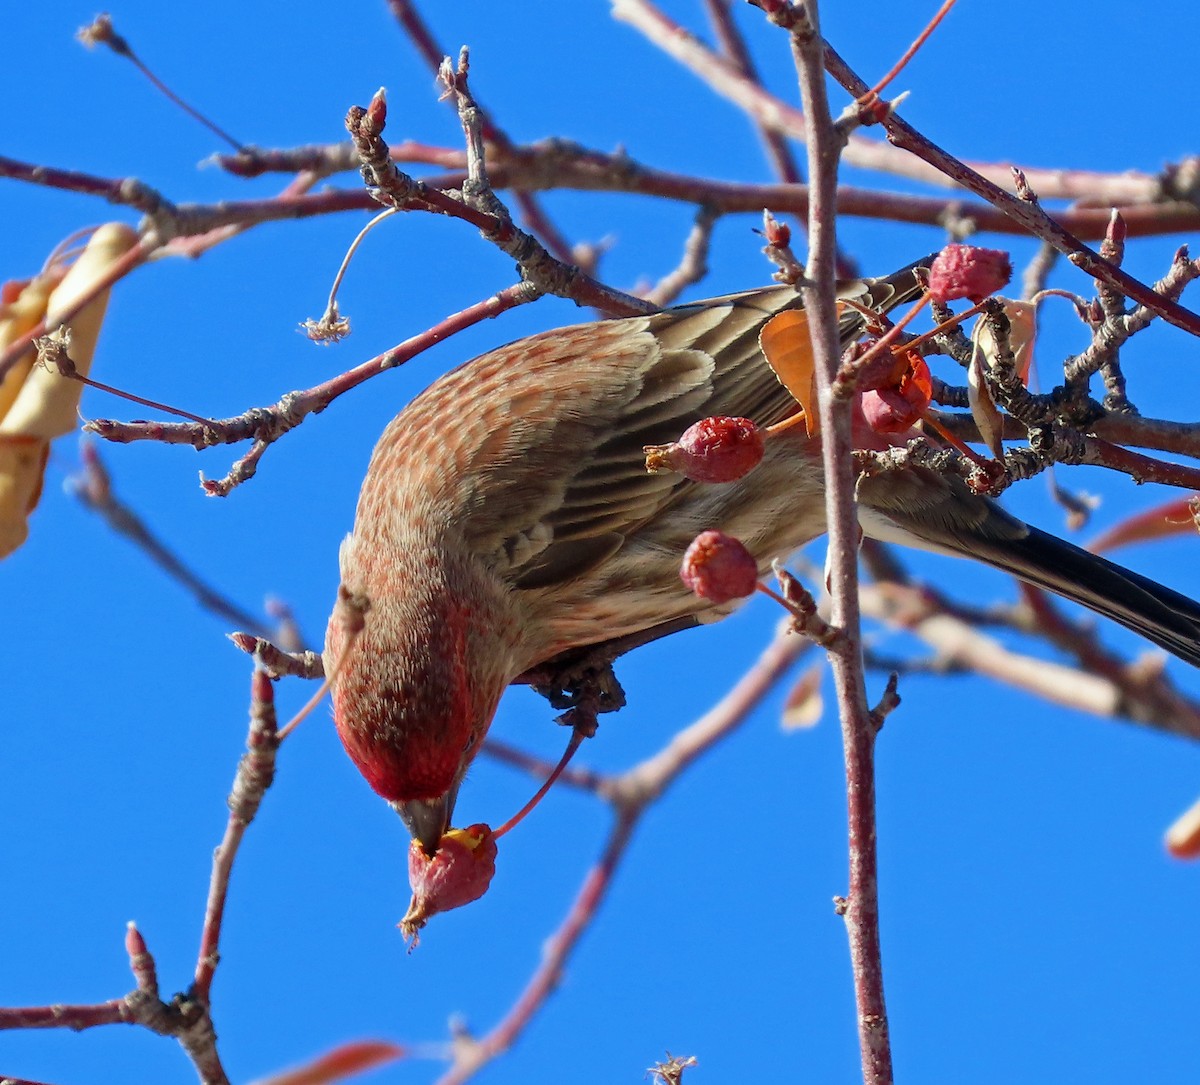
(963,271)
(718,567)
(719,449)
(895,406)
(459,872)
(883,371)
(888,410)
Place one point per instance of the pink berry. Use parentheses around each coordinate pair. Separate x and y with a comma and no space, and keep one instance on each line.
(963,271)
(718,567)
(882,371)
(887,410)
(895,407)
(719,449)
(459,872)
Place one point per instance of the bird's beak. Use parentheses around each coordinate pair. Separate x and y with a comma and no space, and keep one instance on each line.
(428,819)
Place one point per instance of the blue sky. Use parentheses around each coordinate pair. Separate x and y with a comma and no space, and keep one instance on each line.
(1034,929)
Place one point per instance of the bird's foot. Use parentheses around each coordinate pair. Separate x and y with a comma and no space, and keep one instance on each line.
(583,682)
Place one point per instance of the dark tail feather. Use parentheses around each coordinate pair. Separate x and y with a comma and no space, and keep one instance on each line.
(1170,620)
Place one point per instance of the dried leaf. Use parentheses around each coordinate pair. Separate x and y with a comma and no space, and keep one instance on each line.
(35,404)
(22,466)
(22,306)
(47,403)
(1023,330)
(804,705)
(988,419)
(785,344)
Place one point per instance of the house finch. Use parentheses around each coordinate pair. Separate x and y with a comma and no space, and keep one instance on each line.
(507,516)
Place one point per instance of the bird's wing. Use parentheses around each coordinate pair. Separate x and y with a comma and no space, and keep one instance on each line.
(561,482)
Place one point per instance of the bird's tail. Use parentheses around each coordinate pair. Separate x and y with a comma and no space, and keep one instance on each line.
(1161,615)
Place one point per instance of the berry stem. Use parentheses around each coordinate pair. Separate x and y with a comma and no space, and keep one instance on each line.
(576,740)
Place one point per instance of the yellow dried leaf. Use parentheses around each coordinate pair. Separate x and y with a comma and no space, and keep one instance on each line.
(785,344)
(22,464)
(35,404)
(47,403)
(804,706)
(24,305)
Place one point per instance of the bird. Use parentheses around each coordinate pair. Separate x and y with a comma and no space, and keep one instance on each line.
(507,519)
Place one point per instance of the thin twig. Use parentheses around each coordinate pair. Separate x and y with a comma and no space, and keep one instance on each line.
(693,265)
(733,45)
(265,425)
(532,212)
(255,773)
(860,909)
(101,32)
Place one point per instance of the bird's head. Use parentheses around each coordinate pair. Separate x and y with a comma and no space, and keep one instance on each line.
(417,690)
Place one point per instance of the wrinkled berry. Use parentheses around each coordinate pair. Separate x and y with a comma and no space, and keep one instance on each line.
(459,872)
(718,567)
(963,271)
(719,449)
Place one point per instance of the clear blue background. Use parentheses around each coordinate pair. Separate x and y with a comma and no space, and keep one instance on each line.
(1034,929)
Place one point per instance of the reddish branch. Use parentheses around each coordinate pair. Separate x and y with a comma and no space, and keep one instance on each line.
(255,773)
(1027,212)
(860,908)
(862,151)
(264,425)
(185,1018)
(733,46)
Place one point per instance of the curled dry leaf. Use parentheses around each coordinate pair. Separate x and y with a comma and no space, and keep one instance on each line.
(457,874)
(988,418)
(37,405)
(1023,328)
(785,344)
(804,705)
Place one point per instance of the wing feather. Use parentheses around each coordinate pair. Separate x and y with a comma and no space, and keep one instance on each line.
(551,473)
